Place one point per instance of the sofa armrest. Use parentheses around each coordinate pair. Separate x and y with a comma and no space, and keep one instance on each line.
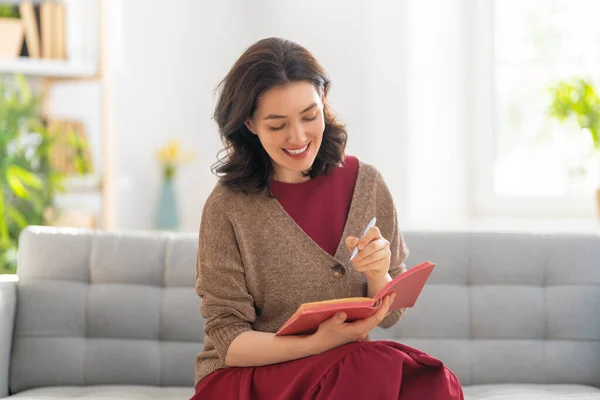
(8,303)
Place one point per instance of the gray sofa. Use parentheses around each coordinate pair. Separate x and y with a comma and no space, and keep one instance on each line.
(99,315)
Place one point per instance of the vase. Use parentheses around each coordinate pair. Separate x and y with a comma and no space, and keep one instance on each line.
(167,216)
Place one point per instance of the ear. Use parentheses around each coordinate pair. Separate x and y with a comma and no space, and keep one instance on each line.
(250,126)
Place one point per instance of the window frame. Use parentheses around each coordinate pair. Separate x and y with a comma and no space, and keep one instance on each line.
(483,130)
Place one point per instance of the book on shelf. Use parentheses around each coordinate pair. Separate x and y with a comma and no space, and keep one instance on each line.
(45,27)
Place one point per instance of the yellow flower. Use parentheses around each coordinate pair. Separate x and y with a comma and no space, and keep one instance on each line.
(170,152)
(173,150)
(170,155)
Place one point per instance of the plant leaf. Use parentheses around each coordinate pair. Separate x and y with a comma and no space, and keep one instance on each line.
(3,226)
(26,177)
(24,88)
(14,214)
(15,184)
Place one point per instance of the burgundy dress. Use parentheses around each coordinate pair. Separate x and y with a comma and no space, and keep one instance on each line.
(361,370)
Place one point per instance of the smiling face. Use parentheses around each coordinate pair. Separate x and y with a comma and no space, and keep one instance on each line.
(289,123)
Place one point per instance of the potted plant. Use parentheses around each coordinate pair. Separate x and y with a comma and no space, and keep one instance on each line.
(577,99)
(170,156)
(11,31)
(28,179)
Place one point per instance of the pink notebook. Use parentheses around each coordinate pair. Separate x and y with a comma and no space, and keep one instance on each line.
(407,287)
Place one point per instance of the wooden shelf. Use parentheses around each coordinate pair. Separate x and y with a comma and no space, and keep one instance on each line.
(82,184)
(47,68)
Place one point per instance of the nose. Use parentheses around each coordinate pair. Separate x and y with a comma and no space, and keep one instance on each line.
(296,135)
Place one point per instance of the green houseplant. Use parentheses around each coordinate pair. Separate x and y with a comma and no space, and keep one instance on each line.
(577,99)
(9,11)
(28,180)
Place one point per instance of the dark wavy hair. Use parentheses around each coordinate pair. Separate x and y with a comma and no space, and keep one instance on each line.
(268,63)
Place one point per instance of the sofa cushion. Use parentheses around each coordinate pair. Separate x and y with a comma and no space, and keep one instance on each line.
(108,392)
(98,308)
(530,392)
(503,308)
(476,392)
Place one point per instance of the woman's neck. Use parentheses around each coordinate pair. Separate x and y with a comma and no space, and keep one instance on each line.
(289,176)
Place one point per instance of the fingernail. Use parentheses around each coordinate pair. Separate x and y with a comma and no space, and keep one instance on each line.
(341,316)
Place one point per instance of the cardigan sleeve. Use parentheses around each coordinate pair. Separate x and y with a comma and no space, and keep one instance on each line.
(398,248)
(226,305)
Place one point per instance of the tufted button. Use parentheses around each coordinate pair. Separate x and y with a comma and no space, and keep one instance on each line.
(338,270)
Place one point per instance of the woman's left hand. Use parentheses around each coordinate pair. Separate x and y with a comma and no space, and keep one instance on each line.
(373,257)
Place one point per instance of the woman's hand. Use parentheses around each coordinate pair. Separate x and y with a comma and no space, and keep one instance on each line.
(335,331)
(373,257)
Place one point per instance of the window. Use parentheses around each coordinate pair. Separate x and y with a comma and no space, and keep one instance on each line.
(527,163)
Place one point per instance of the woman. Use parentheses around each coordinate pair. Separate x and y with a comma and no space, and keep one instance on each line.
(278,230)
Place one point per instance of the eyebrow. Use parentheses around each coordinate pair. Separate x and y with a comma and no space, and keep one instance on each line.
(275,116)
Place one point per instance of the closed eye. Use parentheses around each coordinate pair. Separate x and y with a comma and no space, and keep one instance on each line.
(280,127)
(277,128)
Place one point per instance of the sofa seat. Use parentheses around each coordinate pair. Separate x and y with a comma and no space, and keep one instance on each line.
(93,308)
(531,392)
(474,392)
(108,392)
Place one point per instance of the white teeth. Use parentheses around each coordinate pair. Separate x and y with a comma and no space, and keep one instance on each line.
(296,152)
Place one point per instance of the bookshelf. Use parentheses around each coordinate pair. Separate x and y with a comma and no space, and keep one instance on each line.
(48,68)
(74,84)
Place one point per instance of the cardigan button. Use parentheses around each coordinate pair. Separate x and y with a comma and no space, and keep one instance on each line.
(338,270)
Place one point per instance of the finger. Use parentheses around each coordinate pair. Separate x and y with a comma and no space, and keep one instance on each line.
(336,319)
(363,327)
(351,242)
(340,317)
(373,247)
(376,318)
(369,323)
(372,262)
(372,234)
(385,308)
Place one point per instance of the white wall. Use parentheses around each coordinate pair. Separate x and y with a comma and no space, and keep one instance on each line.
(437,74)
(387,84)
(385,70)
(165,70)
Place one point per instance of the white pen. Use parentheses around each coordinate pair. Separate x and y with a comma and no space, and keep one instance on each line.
(369,226)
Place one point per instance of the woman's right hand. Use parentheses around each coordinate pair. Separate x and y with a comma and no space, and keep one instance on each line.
(335,331)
